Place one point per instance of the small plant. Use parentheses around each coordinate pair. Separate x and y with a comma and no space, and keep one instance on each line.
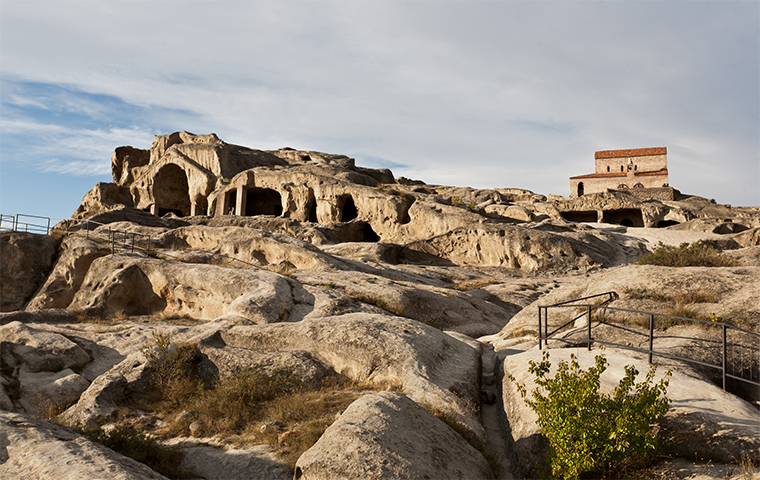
(697,254)
(588,430)
(457,202)
(167,361)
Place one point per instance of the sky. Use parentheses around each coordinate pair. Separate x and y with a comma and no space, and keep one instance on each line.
(486,94)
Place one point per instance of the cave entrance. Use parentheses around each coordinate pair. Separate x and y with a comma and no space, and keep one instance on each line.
(230,202)
(170,190)
(348,209)
(628,217)
(580,216)
(263,201)
(311,207)
(369,235)
(666,223)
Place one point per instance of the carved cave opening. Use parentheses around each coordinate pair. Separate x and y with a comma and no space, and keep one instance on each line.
(230,202)
(348,209)
(311,207)
(580,216)
(628,217)
(170,191)
(666,223)
(262,201)
(369,235)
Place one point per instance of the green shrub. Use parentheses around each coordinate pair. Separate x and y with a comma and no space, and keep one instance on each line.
(697,254)
(588,430)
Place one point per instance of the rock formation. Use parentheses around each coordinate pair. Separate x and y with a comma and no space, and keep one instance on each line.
(418,301)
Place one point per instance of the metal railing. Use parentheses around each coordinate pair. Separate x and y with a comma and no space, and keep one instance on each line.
(117,239)
(23,223)
(742,351)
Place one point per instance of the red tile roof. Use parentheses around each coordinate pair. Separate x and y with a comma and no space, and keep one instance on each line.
(632,152)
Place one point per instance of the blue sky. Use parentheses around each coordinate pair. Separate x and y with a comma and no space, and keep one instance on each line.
(467,93)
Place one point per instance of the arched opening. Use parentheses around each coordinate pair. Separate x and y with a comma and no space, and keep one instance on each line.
(201,206)
(348,210)
(262,201)
(311,207)
(170,191)
(230,202)
(580,189)
(622,186)
(369,235)
(608,168)
(628,217)
(621,168)
(639,185)
(666,223)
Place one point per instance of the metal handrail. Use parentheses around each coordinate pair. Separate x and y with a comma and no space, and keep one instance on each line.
(543,315)
(70,228)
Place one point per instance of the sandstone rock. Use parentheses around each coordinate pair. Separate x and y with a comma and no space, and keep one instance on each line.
(207,459)
(441,308)
(68,273)
(25,260)
(32,449)
(514,212)
(748,238)
(386,435)
(40,350)
(103,196)
(432,367)
(735,289)
(701,415)
(43,391)
(222,361)
(138,285)
(49,316)
(96,404)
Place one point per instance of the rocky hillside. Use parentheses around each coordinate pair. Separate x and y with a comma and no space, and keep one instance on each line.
(240,313)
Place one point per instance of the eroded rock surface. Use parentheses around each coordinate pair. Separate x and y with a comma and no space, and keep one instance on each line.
(387,435)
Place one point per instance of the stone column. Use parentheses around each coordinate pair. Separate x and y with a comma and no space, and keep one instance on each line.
(240,207)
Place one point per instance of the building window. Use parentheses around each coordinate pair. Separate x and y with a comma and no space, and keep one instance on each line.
(635,168)
(621,168)
(580,189)
(608,168)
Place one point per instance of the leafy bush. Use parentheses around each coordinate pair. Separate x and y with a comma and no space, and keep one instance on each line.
(588,430)
(697,254)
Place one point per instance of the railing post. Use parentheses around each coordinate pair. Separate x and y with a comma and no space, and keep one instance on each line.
(588,320)
(539,327)
(133,242)
(48,227)
(724,356)
(651,336)
(15,222)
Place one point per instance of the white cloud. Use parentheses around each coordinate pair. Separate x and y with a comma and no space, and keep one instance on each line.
(479,93)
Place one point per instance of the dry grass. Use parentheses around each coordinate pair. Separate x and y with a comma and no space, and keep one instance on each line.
(697,254)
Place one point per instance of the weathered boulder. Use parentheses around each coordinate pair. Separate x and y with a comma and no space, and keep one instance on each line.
(102,197)
(96,404)
(731,292)
(513,212)
(748,238)
(52,315)
(41,350)
(31,449)
(702,417)
(68,273)
(137,285)
(387,435)
(42,392)
(245,247)
(432,368)
(441,308)
(25,261)
(206,458)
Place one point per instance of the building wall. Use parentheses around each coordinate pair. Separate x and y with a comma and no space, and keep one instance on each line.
(648,163)
(601,184)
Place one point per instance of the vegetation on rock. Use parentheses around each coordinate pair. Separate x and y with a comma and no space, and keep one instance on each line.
(697,254)
(592,431)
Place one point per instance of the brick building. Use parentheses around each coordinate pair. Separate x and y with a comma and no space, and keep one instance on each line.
(623,170)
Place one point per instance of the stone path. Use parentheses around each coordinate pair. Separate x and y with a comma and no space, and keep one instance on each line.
(491,414)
